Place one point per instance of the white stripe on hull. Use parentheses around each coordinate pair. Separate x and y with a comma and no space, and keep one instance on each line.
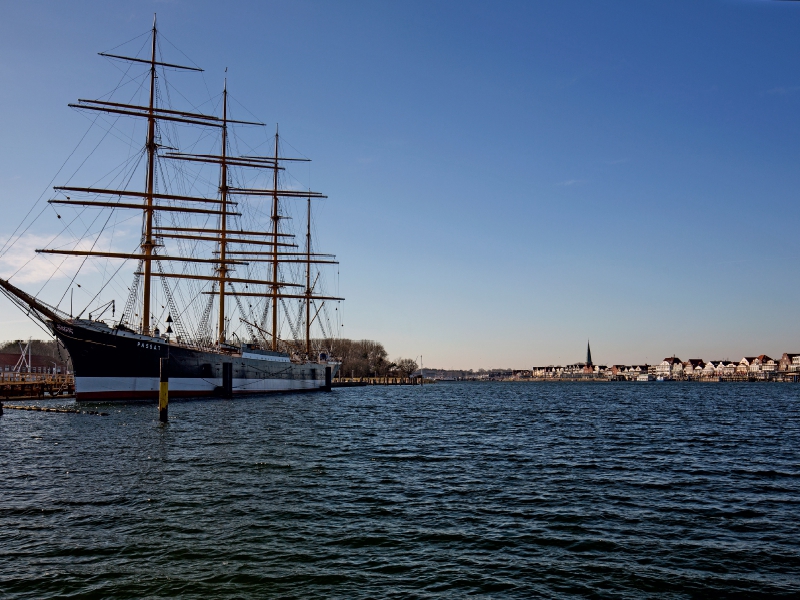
(144,386)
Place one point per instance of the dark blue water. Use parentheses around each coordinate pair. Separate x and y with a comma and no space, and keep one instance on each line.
(501,490)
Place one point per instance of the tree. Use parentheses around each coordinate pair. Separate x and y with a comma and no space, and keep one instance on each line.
(360,358)
(406,366)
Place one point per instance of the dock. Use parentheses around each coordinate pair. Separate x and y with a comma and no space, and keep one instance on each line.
(364,381)
(36,385)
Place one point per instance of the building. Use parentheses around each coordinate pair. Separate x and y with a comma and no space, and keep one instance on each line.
(616,372)
(764,365)
(588,368)
(789,363)
(725,368)
(633,372)
(693,368)
(670,368)
(743,368)
(10,362)
(761,367)
(707,371)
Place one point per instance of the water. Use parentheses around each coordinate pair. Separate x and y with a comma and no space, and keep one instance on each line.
(501,490)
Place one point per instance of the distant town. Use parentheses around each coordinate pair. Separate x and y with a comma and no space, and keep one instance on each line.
(749,368)
(365,359)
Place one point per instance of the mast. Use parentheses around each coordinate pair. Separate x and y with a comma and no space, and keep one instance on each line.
(275,218)
(223,218)
(308,280)
(233,246)
(147,244)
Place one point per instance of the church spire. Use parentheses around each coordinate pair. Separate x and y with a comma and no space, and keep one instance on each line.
(588,355)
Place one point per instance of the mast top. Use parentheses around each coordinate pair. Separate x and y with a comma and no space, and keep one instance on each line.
(152,62)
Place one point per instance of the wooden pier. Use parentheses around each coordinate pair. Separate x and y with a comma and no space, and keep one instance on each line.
(35,385)
(363,381)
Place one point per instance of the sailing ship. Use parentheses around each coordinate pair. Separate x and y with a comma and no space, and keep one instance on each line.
(227,247)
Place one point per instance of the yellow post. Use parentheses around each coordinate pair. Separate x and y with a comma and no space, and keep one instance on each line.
(163,391)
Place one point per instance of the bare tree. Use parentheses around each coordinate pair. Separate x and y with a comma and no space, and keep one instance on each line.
(406,366)
(360,358)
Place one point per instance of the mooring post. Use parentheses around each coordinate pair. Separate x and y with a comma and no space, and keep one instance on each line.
(163,391)
(227,380)
(327,387)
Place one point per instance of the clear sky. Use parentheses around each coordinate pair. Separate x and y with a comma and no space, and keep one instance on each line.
(506,179)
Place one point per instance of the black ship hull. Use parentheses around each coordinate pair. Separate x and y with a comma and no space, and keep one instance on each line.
(119,364)
(115,364)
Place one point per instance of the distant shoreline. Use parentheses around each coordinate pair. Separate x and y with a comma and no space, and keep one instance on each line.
(601,380)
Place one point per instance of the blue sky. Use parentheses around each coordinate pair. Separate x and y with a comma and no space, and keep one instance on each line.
(506,180)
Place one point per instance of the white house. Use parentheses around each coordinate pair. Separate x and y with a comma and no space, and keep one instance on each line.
(670,368)
(693,368)
(709,370)
(727,367)
(743,367)
(764,364)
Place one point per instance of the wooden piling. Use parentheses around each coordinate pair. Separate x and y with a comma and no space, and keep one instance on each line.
(327,387)
(227,380)
(163,391)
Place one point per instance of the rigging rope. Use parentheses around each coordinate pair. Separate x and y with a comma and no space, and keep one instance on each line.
(173,309)
(127,313)
(242,314)
(204,332)
(295,335)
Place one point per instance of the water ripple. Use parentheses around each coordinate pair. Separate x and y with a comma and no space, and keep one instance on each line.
(502,490)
